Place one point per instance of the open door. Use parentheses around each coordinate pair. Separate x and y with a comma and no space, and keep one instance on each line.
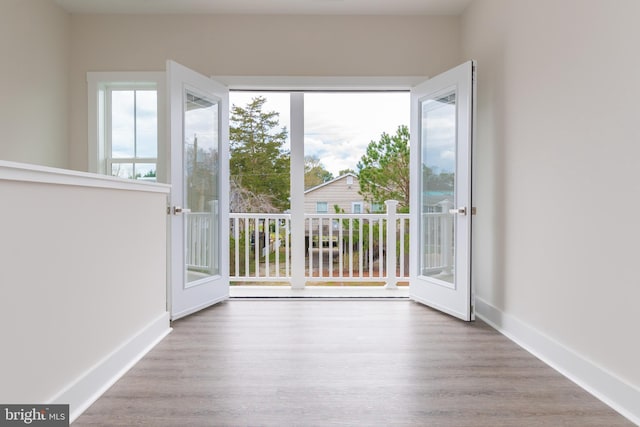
(199,171)
(442,110)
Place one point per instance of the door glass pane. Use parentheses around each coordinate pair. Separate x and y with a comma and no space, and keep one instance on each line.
(437,186)
(122,124)
(201,192)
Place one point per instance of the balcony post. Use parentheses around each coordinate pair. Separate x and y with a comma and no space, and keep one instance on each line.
(297,190)
(392,278)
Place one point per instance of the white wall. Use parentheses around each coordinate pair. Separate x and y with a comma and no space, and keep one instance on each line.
(556,238)
(83,275)
(255,45)
(34,47)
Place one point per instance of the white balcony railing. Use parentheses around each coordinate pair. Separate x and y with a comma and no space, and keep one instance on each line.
(260,247)
(338,247)
(354,247)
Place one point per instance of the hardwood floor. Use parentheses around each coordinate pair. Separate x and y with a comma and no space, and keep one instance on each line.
(341,363)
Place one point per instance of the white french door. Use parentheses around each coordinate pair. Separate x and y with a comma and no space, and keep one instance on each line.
(199,153)
(442,110)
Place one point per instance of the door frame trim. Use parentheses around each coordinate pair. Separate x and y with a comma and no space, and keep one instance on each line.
(320,83)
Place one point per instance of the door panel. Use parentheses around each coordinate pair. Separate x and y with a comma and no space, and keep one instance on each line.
(199,197)
(441,141)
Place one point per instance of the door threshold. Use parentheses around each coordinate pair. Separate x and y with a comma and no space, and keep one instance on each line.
(332,292)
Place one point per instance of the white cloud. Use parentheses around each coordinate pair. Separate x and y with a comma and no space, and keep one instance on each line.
(202,123)
(345,123)
(448,155)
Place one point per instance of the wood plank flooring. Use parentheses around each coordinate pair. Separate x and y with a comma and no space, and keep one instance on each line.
(341,363)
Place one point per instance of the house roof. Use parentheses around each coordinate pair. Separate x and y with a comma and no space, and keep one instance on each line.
(330,182)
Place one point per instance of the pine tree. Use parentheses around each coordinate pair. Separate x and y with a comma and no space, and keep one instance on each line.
(259,163)
(383,172)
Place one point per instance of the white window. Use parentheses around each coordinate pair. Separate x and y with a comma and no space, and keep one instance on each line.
(349,180)
(132,132)
(322,207)
(126,125)
(356,207)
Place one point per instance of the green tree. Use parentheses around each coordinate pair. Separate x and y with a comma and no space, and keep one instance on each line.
(383,172)
(259,162)
(346,171)
(314,172)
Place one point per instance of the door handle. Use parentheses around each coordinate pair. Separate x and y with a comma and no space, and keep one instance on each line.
(459,211)
(177,210)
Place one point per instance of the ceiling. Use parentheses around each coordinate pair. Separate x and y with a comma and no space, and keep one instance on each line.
(271,7)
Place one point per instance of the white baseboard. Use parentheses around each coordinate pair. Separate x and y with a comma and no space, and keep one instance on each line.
(616,393)
(85,390)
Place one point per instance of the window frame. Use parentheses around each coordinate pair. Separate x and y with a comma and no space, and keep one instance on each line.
(353,207)
(99,144)
(326,207)
(108,100)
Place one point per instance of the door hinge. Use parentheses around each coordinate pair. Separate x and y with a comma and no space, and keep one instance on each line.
(473,210)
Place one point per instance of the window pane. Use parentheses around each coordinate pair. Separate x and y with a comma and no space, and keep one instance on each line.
(122,124)
(146,123)
(145,171)
(122,170)
(101,130)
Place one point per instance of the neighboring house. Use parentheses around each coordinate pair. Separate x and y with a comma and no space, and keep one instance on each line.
(343,191)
